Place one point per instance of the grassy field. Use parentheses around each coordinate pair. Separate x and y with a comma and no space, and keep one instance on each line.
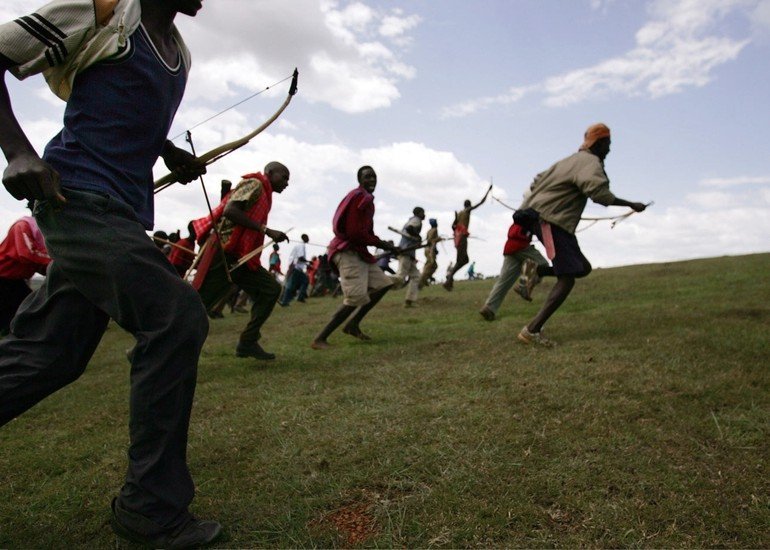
(646,427)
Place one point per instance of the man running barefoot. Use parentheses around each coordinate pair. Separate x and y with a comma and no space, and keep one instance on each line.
(363,282)
(461,234)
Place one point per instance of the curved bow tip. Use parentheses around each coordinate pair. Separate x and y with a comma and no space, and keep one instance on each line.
(293,87)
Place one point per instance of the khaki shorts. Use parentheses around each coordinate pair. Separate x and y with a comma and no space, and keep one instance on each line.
(358,278)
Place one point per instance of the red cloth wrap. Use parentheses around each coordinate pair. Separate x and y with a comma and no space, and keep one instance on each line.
(243,240)
(460,232)
(23,252)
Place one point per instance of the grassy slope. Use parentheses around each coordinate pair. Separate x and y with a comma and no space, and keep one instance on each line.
(647,426)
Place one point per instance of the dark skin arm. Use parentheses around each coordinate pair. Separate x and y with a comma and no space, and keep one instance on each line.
(635,206)
(183,164)
(387,245)
(474,207)
(236,213)
(27,176)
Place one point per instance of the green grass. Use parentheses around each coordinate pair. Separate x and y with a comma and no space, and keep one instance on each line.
(646,427)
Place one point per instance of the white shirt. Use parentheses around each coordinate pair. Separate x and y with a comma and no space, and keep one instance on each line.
(296,253)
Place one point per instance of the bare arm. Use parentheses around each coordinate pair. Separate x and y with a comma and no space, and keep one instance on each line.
(636,206)
(27,176)
(185,166)
(475,206)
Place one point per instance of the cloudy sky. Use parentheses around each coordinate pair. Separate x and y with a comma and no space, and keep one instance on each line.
(442,97)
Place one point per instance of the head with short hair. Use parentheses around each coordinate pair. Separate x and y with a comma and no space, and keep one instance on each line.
(467,203)
(367,178)
(160,235)
(419,212)
(276,247)
(278,175)
(305,238)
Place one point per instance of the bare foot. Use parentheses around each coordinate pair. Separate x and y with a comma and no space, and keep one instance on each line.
(320,344)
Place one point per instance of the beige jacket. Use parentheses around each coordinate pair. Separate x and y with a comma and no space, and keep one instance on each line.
(64,37)
(560,193)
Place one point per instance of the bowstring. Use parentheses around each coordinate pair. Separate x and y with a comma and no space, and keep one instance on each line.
(233,106)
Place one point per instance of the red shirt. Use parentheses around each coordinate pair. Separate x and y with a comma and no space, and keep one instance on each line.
(23,252)
(179,257)
(518,239)
(353,225)
(255,191)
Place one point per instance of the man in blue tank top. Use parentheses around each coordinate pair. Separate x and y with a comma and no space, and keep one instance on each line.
(122,67)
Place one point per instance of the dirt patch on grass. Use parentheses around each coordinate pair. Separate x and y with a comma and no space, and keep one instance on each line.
(354,522)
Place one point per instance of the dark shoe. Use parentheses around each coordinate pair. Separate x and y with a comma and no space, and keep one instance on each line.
(194,533)
(355,332)
(487,313)
(253,350)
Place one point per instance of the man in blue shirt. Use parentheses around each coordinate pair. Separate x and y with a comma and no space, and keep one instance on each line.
(122,68)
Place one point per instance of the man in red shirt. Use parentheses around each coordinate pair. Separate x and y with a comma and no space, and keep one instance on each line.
(243,230)
(520,258)
(22,254)
(363,283)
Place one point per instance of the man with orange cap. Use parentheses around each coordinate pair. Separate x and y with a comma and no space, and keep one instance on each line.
(558,196)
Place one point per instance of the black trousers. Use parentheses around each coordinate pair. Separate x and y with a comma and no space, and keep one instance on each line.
(104,266)
(259,284)
(12,294)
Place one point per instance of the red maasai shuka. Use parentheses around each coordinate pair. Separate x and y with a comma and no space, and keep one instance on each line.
(460,232)
(203,225)
(243,240)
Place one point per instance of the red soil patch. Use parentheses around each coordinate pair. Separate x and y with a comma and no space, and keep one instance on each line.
(354,522)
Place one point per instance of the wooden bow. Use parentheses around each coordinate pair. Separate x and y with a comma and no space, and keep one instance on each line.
(219,152)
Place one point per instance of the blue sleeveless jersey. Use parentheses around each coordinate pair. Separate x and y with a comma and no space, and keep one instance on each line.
(115,124)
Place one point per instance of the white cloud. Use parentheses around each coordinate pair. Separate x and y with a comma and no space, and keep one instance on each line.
(760,17)
(350,55)
(396,26)
(714,199)
(735,181)
(677,49)
(680,232)
(471,106)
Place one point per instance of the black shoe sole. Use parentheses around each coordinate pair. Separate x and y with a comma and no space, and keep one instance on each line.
(266,357)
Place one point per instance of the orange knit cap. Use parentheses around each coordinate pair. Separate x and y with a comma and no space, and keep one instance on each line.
(594,133)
